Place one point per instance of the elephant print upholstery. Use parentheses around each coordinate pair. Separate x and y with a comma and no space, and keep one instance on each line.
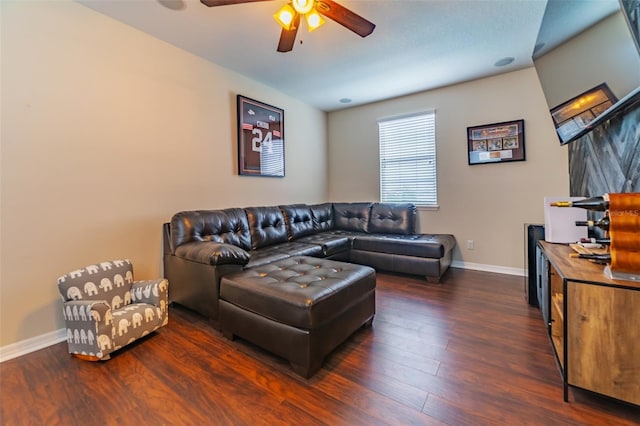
(105,308)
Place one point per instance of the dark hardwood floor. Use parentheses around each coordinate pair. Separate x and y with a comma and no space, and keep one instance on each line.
(469,351)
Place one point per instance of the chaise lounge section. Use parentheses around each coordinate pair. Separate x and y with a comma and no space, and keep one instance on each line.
(300,308)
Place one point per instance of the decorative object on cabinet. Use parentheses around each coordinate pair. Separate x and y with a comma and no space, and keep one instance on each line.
(260,138)
(496,143)
(560,223)
(621,224)
(624,231)
(105,309)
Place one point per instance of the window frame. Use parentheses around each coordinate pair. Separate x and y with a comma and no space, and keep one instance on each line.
(422,129)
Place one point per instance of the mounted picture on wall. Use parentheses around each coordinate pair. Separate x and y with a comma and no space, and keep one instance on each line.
(260,138)
(496,143)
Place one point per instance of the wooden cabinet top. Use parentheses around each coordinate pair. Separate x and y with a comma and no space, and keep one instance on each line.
(581,270)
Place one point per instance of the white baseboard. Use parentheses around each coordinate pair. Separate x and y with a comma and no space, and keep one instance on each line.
(489,268)
(33,344)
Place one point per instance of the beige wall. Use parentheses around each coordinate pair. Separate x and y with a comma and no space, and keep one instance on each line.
(487,203)
(106,132)
(605,53)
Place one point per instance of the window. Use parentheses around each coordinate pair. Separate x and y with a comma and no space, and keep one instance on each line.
(408,159)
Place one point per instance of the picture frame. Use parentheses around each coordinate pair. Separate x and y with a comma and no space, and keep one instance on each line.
(574,115)
(260,138)
(496,143)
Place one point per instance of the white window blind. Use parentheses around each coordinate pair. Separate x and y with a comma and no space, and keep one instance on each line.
(408,159)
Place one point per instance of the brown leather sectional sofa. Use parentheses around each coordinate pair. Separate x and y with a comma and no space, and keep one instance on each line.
(202,246)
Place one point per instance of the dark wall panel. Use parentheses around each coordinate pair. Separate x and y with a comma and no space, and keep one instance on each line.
(607,159)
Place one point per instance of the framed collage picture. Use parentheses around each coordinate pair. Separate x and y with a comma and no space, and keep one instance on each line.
(260,138)
(496,143)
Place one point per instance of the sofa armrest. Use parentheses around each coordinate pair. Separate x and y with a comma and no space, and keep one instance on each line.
(153,292)
(213,253)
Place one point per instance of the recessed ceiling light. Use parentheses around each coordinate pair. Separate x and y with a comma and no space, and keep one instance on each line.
(345,101)
(504,61)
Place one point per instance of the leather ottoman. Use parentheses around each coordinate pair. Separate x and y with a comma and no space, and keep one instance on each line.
(300,308)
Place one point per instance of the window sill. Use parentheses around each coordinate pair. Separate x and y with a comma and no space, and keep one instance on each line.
(428,208)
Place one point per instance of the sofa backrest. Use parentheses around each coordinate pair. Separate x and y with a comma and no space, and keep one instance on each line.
(393,218)
(267,226)
(255,227)
(352,216)
(109,281)
(228,226)
(322,217)
(299,220)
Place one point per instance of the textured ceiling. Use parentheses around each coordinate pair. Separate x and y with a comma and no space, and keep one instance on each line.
(417,44)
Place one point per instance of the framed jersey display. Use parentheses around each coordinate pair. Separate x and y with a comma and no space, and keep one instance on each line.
(260,138)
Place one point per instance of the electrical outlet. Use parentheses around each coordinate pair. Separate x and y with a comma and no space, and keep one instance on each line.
(470,244)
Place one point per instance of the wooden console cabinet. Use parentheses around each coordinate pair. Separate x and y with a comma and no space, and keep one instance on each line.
(594,325)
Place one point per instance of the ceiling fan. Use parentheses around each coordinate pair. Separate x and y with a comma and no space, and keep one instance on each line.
(289,18)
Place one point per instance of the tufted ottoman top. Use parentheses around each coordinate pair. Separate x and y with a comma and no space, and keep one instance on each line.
(304,292)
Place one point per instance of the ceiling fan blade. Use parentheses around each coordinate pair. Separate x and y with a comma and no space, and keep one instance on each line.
(212,3)
(288,37)
(345,17)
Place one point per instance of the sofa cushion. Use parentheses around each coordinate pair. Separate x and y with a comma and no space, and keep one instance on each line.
(213,253)
(299,220)
(267,226)
(281,251)
(229,226)
(393,218)
(322,217)
(330,243)
(352,216)
(134,321)
(421,245)
(265,256)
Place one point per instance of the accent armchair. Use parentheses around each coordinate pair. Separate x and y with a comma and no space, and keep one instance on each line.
(105,309)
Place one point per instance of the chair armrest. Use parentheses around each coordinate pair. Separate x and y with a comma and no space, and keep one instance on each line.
(213,253)
(154,292)
(89,326)
(86,321)
(86,310)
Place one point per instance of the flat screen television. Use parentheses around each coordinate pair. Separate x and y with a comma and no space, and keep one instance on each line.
(586,46)
(631,10)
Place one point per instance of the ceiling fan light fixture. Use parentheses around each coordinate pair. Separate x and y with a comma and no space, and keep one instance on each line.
(303,6)
(285,16)
(314,20)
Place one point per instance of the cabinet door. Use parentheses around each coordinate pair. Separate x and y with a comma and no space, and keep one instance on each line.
(556,313)
(603,340)
(542,282)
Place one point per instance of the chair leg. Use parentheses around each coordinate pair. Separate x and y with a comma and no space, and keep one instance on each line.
(90,357)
